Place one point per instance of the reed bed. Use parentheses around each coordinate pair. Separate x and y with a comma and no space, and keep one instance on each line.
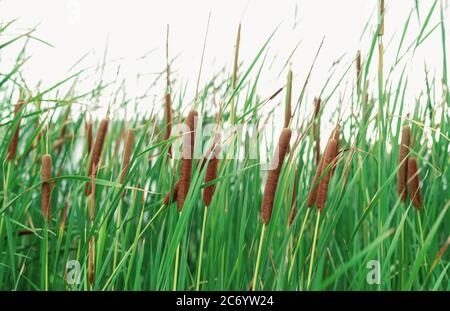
(107,202)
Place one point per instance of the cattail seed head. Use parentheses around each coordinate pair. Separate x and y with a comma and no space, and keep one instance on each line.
(328,158)
(403,162)
(274,174)
(414,183)
(97,150)
(12,148)
(312,196)
(171,196)
(186,160)
(46,175)
(211,171)
(127,156)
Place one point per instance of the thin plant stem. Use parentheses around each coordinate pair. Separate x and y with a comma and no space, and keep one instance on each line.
(258,257)
(311,262)
(199,270)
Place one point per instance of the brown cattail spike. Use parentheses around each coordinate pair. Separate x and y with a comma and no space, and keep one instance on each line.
(211,171)
(403,162)
(127,156)
(312,196)
(274,174)
(97,150)
(186,160)
(46,175)
(414,183)
(12,148)
(171,196)
(328,160)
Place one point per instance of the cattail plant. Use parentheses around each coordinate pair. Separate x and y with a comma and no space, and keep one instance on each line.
(403,162)
(97,150)
(414,183)
(127,156)
(211,171)
(273,175)
(328,159)
(12,148)
(186,160)
(269,192)
(46,175)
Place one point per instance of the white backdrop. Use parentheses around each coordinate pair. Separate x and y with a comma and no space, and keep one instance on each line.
(134,28)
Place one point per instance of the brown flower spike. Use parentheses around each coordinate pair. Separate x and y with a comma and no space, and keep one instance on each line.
(272,178)
(414,183)
(46,175)
(403,162)
(186,160)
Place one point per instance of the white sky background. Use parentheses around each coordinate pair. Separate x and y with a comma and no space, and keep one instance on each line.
(77,27)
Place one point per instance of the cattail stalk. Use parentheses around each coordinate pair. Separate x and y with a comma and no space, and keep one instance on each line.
(329,157)
(46,175)
(88,128)
(97,150)
(273,175)
(414,183)
(91,250)
(186,160)
(12,148)
(316,127)
(129,143)
(403,162)
(358,72)
(381,12)
(288,109)
(380,61)
(293,211)
(235,73)
(168,120)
